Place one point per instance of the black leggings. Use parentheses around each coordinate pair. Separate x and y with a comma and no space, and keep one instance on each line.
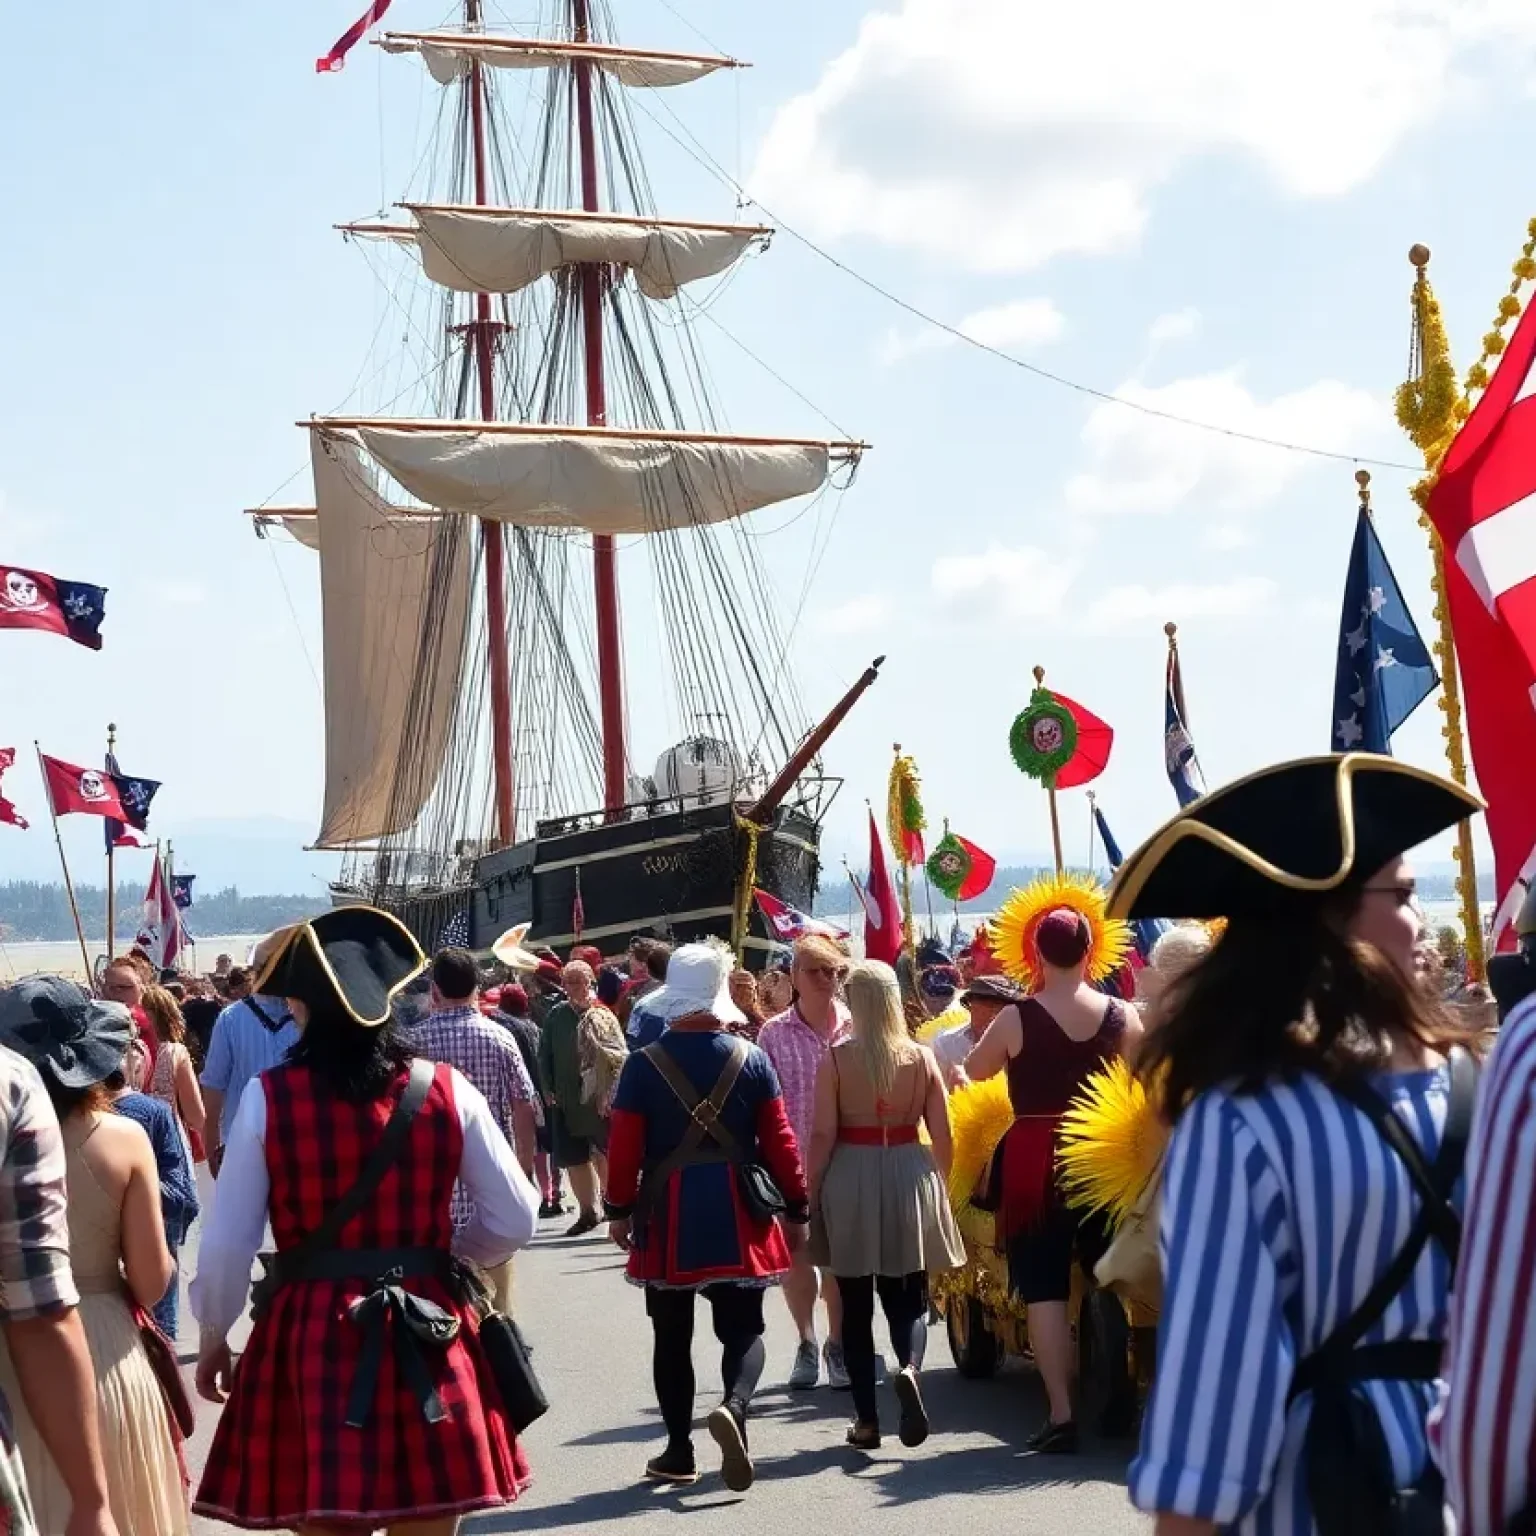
(738,1317)
(904,1300)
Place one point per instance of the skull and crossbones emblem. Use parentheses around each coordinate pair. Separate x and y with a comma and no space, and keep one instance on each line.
(21,592)
(91,786)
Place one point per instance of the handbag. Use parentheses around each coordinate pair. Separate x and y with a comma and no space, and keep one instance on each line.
(511,1363)
(760,1193)
(161,1354)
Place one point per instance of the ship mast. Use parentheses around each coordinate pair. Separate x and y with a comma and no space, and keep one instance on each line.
(605,576)
(492,537)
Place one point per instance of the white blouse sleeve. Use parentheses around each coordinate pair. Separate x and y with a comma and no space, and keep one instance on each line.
(506,1203)
(233,1231)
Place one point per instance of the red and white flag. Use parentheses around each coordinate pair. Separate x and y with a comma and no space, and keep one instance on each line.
(1483,507)
(882,916)
(83,791)
(348,39)
(789,925)
(160,934)
(8,812)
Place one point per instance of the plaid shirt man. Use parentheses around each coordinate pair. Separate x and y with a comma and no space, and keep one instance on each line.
(35,1277)
(797,1052)
(488,1056)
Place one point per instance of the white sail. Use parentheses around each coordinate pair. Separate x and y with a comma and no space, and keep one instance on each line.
(505,250)
(448,56)
(305,529)
(604,483)
(378,573)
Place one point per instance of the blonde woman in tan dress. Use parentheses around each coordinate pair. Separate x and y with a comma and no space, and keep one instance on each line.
(117,1251)
(881,1218)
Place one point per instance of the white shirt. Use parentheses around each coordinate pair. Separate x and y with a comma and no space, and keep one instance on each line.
(951,1047)
(506,1205)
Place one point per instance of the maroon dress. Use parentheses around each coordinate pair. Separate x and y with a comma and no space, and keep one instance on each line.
(1034,1222)
(283,1454)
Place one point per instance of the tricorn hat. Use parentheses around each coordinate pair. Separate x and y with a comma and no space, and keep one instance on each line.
(1286,837)
(72,1038)
(357,957)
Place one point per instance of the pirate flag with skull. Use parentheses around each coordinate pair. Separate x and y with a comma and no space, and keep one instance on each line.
(93,792)
(31,600)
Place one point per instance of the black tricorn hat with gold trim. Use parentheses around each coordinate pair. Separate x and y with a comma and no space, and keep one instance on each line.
(356,957)
(1286,838)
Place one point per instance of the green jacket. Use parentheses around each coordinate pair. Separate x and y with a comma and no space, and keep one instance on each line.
(560,1068)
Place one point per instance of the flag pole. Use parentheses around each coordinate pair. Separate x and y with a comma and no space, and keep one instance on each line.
(1091,803)
(1432,431)
(1050,794)
(111,880)
(69,885)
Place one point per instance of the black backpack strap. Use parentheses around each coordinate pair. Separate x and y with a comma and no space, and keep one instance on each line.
(268,1023)
(385,1154)
(1337,1355)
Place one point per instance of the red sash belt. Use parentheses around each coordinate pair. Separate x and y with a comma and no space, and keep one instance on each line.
(877,1135)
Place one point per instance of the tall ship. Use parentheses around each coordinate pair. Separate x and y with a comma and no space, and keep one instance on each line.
(557,687)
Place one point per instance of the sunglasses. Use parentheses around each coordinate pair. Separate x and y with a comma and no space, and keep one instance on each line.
(826,972)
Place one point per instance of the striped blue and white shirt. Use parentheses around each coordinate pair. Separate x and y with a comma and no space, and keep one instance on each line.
(1280,1209)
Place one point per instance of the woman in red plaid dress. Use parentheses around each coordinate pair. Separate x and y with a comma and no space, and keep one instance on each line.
(340,1418)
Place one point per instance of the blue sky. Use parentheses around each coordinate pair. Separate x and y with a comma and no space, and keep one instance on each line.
(1192,206)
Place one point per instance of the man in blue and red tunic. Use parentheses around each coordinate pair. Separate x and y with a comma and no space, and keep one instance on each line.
(683,1215)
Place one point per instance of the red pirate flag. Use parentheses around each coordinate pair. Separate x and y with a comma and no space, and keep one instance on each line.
(31,600)
(94,792)
(8,812)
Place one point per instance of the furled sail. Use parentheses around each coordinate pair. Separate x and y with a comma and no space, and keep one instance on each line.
(305,529)
(606,482)
(503,250)
(447,55)
(395,599)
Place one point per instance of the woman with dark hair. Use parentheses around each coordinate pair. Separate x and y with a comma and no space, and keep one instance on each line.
(117,1251)
(360,1401)
(1309,1192)
(1050,1044)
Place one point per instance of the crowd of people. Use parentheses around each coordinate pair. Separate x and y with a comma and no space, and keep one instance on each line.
(385,1131)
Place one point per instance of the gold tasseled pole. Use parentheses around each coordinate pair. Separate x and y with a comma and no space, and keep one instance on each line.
(1431,408)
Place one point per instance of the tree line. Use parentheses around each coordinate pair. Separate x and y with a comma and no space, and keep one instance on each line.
(31,911)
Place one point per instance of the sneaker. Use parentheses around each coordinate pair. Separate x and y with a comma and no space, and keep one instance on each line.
(837,1368)
(914,1417)
(1053,1440)
(863,1437)
(728,1426)
(674,1465)
(806,1371)
(586,1222)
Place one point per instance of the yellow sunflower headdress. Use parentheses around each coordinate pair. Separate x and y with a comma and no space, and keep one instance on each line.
(1011,936)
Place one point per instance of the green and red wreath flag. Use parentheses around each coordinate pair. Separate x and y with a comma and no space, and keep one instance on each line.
(958,868)
(1058,742)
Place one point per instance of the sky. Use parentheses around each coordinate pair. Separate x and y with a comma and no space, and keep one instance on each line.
(1202,207)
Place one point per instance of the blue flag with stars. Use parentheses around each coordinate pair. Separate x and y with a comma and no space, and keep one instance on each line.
(1384,669)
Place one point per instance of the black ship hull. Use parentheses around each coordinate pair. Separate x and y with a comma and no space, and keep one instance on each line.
(673,875)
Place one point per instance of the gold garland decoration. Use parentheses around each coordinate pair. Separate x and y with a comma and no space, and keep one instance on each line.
(1431,413)
(741,917)
(977,1281)
(1011,935)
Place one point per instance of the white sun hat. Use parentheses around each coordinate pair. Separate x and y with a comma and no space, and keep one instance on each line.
(513,953)
(698,981)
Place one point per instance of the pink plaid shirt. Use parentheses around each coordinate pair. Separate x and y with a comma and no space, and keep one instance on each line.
(797,1051)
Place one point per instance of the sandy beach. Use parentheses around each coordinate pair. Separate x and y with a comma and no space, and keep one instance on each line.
(62,958)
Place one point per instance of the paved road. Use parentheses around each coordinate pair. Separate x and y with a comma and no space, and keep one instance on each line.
(593,1353)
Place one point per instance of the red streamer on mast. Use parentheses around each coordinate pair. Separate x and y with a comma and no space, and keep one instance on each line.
(344,44)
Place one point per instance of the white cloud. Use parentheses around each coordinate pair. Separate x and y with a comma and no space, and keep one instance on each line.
(1026,582)
(1018,326)
(855,616)
(1144,464)
(1178,326)
(1134,607)
(996,135)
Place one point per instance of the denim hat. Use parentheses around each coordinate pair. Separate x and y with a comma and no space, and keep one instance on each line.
(70,1037)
